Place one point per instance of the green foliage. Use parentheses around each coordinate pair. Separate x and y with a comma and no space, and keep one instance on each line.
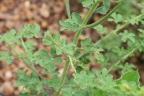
(108,52)
(101,29)
(127,36)
(104,8)
(116,18)
(87,3)
(73,23)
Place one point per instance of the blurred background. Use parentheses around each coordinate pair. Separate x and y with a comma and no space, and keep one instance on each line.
(47,13)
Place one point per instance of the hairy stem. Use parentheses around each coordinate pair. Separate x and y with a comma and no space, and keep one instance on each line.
(104,18)
(23,44)
(92,9)
(63,76)
(68,8)
(71,63)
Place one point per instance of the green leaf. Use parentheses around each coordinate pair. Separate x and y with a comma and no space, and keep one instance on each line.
(83,79)
(58,50)
(116,18)
(125,36)
(141,4)
(9,59)
(128,86)
(68,48)
(32,31)
(119,51)
(56,37)
(105,79)
(132,20)
(104,8)
(76,27)
(30,45)
(129,76)
(58,60)
(100,57)
(100,29)
(22,78)
(126,67)
(3,55)
(87,3)
(52,51)
(142,32)
(42,58)
(39,86)
(71,23)
(6,56)
(10,38)
(76,18)
(65,25)
(47,40)
(1,38)
(50,68)
(85,42)
(54,82)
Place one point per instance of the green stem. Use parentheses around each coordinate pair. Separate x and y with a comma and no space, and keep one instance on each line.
(23,44)
(92,9)
(68,8)
(90,12)
(63,76)
(104,18)
(123,58)
(70,59)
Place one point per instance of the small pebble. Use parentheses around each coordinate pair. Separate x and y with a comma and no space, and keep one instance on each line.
(8,74)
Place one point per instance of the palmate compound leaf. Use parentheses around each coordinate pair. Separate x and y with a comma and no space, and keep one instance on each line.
(30,45)
(127,36)
(65,25)
(142,32)
(126,67)
(87,3)
(68,48)
(100,29)
(76,18)
(6,56)
(85,42)
(30,82)
(43,59)
(105,79)
(104,8)
(99,57)
(84,80)
(71,91)
(56,37)
(47,38)
(73,23)
(10,37)
(32,31)
(116,18)
(119,51)
(131,76)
